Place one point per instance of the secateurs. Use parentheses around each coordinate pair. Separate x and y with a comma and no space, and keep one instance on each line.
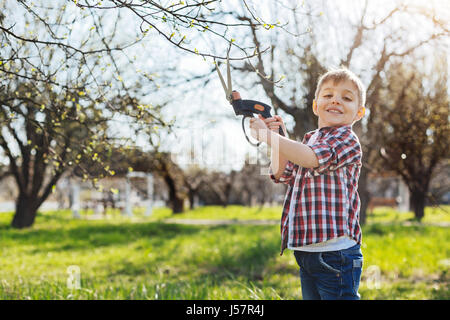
(246,108)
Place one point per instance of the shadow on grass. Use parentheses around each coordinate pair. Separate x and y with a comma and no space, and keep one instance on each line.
(248,259)
(86,236)
(398,228)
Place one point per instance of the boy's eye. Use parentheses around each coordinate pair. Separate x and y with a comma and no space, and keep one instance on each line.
(347,99)
(328,96)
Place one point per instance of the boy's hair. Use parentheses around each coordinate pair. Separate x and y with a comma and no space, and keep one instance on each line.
(342,74)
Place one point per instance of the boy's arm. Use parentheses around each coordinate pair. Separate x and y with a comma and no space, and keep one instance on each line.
(280,170)
(277,164)
(293,151)
(341,148)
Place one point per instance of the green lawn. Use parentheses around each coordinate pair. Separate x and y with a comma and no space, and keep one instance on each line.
(145,258)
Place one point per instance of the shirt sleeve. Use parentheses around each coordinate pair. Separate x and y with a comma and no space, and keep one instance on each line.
(288,174)
(337,149)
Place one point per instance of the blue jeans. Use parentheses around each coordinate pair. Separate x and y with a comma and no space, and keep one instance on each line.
(330,275)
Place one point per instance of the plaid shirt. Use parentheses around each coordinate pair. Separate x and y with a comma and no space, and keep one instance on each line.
(325,199)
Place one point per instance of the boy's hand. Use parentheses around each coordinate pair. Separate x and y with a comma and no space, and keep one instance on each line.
(257,128)
(274,124)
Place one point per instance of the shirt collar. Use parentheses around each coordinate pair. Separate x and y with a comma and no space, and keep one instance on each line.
(325,130)
(328,129)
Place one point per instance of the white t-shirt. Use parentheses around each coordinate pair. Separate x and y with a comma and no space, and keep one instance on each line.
(335,244)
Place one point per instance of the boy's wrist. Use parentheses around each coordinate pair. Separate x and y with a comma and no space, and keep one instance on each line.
(270,136)
(262,135)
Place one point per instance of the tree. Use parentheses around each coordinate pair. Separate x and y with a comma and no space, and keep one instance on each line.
(412,126)
(58,101)
(194,177)
(174,178)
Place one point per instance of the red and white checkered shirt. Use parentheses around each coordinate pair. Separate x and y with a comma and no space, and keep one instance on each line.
(325,199)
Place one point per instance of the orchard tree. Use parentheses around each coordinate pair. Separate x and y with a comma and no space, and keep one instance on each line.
(194,178)
(412,127)
(44,133)
(63,92)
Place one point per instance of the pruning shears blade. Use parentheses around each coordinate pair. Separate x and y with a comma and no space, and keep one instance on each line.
(230,87)
(227,87)
(227,91)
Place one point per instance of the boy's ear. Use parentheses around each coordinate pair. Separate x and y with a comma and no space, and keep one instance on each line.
(314,105)
(361,112)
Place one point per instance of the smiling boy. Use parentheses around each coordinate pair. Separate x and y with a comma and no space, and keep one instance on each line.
(320,220)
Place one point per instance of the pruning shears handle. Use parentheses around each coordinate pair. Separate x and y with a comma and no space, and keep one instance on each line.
(248,108)
(245,108)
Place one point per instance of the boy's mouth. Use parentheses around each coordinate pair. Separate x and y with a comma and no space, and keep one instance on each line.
(334,110)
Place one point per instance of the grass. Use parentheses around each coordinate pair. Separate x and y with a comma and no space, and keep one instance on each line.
(433,215)
(144,258)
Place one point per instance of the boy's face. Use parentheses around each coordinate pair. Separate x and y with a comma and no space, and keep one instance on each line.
(338,104)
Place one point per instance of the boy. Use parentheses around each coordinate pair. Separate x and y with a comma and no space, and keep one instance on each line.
(320,220)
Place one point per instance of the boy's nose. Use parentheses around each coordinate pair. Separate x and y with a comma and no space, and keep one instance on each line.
(335,101)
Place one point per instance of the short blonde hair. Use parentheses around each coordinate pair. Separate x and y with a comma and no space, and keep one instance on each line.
(342,74)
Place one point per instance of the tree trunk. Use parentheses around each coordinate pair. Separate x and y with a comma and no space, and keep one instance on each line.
(191,200)
(26,211)
(177,205)
(418,203)
(175,201)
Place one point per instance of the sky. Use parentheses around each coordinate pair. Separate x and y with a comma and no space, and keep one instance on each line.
(205,122)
